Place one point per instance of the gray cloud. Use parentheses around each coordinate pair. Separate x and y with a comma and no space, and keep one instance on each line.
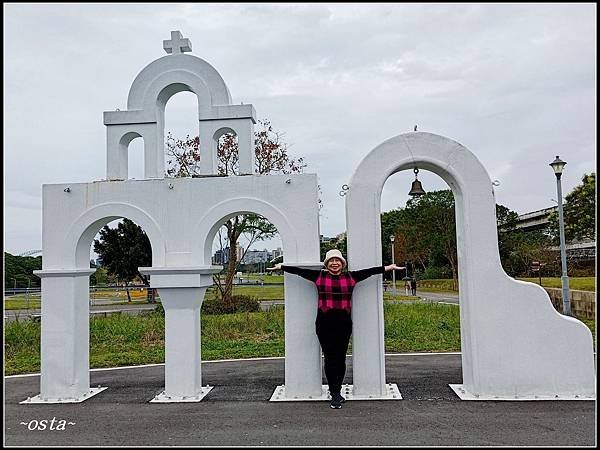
(514,83)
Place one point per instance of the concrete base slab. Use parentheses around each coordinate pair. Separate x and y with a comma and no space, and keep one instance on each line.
(164,398)
(463,394)
(393,393)
(37,399)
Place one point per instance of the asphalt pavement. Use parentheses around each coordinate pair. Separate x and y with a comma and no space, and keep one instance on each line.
(237,412)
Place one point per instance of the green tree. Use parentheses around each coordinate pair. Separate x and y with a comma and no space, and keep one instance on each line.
(507,227)
(18,271)
(520,248)
(425,234)
(579,212)
(339,242)
(101,277)
(271,156)
(123,249)
(433,227)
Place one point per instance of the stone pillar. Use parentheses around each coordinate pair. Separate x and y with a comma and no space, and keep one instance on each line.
(182,290)
(368,346)
(303,377)
(209,161)
(154,150)
(65,337)
(245,133)
(116,154)
(183,375)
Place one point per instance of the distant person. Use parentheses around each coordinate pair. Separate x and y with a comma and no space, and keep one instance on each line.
(413,286)
(334,321)
(407,287)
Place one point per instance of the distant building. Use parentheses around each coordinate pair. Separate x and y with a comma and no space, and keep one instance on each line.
(538,220)
(221,257)
(277,253)
(535,220)
(256,256)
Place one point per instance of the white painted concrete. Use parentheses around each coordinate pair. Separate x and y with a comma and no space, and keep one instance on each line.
(181,217)
(280,395)
(49,400)
(513,341)
(166,398)
(463,394)
(145,114)
(537,352)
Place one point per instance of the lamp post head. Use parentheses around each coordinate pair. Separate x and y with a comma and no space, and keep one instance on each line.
(392,238)
(557,165)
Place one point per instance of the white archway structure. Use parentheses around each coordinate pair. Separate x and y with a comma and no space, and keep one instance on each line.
(145,115)
(514,344)
(180,217)
(504,354)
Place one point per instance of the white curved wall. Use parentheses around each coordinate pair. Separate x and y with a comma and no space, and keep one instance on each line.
(513,342)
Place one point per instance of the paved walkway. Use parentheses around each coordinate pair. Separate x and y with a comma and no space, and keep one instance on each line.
(237,412)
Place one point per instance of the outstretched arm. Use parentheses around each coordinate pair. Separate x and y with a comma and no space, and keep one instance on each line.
(363,274)
(309,274)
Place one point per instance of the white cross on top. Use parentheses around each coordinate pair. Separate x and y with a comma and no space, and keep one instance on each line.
(177,44)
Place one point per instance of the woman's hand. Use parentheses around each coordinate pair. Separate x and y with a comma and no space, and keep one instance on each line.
(393,267)
(275,267)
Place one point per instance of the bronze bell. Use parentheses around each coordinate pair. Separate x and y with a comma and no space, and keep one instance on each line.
(416,188)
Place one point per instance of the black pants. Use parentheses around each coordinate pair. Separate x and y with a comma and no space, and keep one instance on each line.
(334,328)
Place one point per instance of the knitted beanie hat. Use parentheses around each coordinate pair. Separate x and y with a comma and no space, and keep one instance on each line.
(334,253)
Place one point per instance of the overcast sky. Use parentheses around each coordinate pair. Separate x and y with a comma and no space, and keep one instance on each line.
(514,83)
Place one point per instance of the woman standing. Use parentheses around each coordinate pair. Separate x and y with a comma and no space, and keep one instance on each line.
(334,320)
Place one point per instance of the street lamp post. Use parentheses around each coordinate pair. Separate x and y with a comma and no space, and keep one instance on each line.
(393,271)
(558,165)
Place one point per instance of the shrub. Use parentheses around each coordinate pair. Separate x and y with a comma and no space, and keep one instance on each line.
(239,303)
(435,272)
(160,309)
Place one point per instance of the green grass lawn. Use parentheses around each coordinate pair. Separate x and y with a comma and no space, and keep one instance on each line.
(260,292)
(442,285)
(275,292)
(21,302)
(267,278)
(578,283)
(119,340)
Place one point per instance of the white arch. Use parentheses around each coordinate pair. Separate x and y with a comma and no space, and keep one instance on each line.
(209,225)
(83,230)
(222,131)
(302,354)
(195,73)
(148,96)
(127,137)
(513,341)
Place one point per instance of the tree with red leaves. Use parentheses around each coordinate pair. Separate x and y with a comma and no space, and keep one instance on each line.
(271,156)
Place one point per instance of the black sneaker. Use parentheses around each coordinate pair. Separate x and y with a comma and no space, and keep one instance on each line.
(336,401)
